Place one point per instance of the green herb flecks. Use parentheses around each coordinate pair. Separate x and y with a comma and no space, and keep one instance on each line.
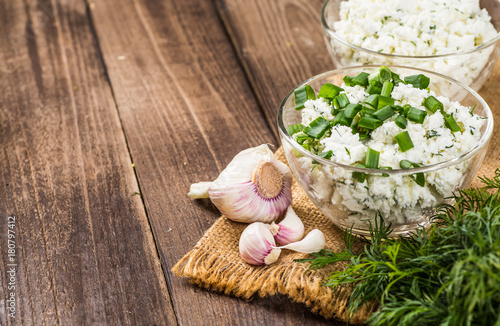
(431,134)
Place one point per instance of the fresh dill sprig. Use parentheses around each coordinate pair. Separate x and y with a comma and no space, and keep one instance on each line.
(448,274)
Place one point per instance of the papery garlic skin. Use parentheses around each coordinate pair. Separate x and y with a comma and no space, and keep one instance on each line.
(255,186)
(257,245)
(199,190)
(290,229)
(313,242)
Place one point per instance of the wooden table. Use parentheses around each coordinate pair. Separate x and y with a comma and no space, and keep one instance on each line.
(109,110)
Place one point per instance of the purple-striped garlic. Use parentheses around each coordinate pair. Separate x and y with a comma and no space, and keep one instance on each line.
(257,245)
(290,229)
(255,186)
(314,241)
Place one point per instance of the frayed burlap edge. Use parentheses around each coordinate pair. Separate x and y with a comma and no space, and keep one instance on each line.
(214,271)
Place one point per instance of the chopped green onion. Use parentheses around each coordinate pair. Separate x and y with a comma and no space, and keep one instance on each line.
(343,100)
(301,139)
(351,110)
(369,123)
(384,74)
(374,88)
(361,79)
(341,120)
(405,164)
(404,141)
(293,129)
(419,178)
(384,113)
(416,115)
(385,168)
(368,110)
(317,127)
(418,81)
(307,147)
(383,101)
(329,91)
(335,107)
(302,94)
(348,81)
(398,108)
(396,80)
(372,157)
(401,121)
(373,76)
(406,109)
(432,104)
(326,155)
(372,100)
(387,89)
(359,176)
(451,124)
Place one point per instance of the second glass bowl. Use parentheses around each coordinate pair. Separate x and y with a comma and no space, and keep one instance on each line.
(471,67)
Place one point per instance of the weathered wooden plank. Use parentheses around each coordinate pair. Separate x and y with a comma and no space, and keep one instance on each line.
(278,42)
(186,110)
(84,251)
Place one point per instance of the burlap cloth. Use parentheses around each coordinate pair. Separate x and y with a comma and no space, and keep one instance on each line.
(214,263)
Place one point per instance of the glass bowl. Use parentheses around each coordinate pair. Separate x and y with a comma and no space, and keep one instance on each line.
(342,202)
(470,67)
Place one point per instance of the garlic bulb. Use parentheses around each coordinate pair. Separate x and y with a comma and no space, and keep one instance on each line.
(257,245)
(255,186)
(313,242)
(291,229)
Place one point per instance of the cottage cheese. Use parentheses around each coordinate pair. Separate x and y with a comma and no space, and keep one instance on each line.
(416,28)
(397,197)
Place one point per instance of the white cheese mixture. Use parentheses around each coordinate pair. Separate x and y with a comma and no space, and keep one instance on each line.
(416,28)
(399,198)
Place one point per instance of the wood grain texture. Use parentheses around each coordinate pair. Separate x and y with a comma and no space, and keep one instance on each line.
(186,110)
(84,248)
(280,44)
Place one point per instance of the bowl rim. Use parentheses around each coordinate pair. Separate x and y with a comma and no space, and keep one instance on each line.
(483,141)
(327,28)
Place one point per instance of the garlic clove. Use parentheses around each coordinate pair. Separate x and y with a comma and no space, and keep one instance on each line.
(199,190)
(255,186)
(257,245)
(313,242)
(291,229)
